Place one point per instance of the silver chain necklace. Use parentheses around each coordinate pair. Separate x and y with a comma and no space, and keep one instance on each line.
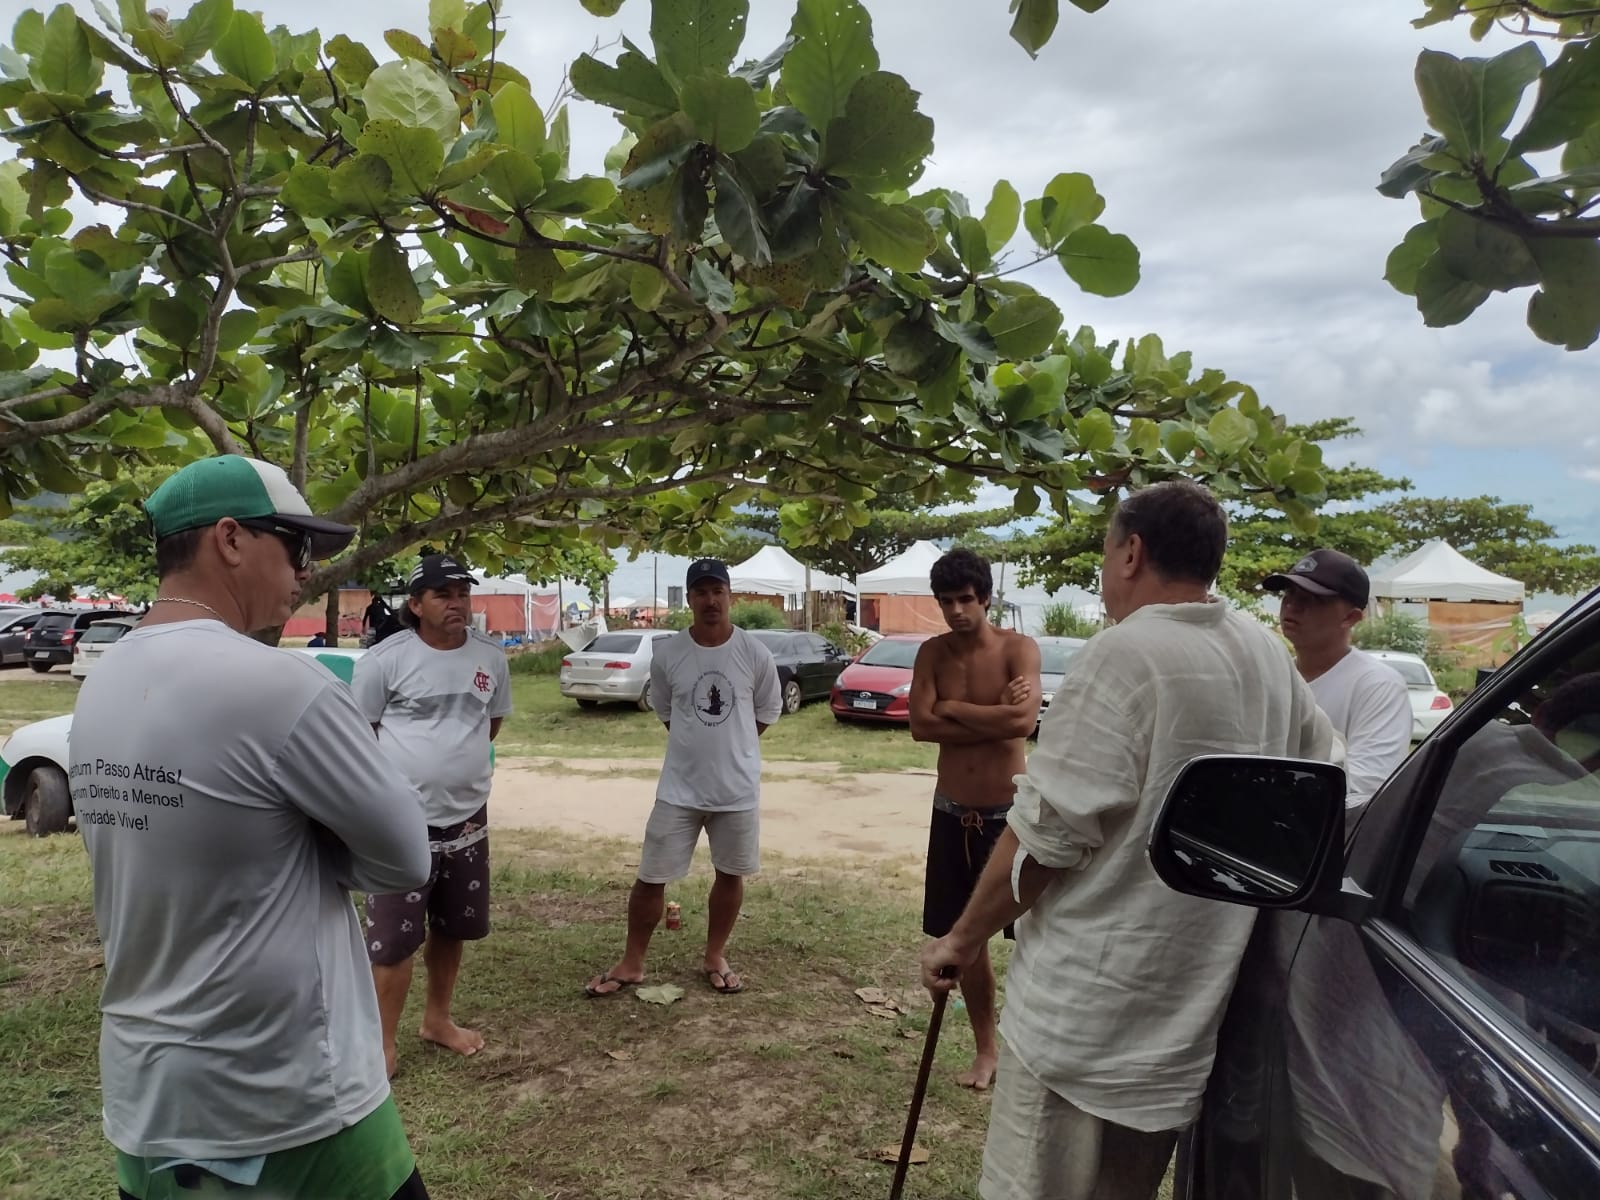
(196,603)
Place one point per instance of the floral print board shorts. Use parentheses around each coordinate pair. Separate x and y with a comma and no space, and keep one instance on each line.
(454,903)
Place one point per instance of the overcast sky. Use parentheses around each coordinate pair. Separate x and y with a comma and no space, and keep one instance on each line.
(1238,144)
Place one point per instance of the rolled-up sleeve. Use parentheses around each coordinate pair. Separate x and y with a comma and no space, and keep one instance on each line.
(1089,765)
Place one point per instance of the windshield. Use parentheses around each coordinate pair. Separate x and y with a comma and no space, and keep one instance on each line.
(892,654)
(1054,657)
(613,643)
(1414,673)
(103,633)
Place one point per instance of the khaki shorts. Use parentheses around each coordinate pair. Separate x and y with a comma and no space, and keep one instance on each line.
(1041,1146)
(672,832)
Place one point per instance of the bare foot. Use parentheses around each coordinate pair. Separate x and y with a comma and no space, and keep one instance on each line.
(722,978)
(609,983)
(980,1078)
(465,1042)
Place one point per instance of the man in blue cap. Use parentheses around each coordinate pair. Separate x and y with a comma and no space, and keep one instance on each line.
(231,796)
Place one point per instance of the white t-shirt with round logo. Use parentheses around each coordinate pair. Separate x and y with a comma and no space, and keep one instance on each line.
(432,709)
(711,698)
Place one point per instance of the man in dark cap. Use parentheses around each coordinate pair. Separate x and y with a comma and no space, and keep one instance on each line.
(716,690)
(436,693)
(1325,596)
(231,796)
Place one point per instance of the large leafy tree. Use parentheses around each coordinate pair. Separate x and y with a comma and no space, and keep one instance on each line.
(1506,538)
(1261,540)
(385,275)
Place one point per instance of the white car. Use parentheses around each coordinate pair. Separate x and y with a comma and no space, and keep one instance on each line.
(33,760)
(1429,706)
(94,641)
(615,666)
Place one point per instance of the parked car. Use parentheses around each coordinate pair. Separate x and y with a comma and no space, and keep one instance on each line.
(807,664)
(1418,1014)
(877,685)
(33,760)
(1429,706)
(94,641)
(1054,655)
(613,667)
(51,640)
(14,623)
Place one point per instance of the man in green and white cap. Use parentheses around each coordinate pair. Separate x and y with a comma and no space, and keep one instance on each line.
(231,795)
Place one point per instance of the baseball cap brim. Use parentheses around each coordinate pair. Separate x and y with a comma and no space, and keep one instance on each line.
(1276,583)
(327,537)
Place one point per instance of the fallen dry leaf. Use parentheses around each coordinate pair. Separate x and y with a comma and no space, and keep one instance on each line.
(884,1010)
(620,1055)
(908,1033)
(872,995)
(664,993)
(891,1154)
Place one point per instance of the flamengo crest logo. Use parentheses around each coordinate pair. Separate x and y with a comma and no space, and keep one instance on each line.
(481,680)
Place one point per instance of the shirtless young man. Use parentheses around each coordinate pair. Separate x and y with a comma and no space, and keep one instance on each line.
(975,691)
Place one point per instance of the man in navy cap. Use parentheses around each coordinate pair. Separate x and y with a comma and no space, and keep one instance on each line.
(716,690)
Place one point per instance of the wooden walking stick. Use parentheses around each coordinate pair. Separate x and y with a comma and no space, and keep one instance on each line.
(929,1043)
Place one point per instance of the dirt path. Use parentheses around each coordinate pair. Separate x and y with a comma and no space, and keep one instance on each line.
(807,809)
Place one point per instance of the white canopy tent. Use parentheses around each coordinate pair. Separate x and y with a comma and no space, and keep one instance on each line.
(904,575)
(773,571)
(1436,570)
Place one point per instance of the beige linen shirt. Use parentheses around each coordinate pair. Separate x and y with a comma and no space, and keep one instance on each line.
(1117,983)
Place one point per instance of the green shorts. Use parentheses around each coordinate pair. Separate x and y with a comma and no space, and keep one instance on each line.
(369,1160)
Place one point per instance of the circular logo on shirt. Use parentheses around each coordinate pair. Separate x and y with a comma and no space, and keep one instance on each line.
(713,698)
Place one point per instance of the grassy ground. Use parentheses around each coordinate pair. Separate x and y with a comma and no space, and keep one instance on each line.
(546,723)
(779,1092)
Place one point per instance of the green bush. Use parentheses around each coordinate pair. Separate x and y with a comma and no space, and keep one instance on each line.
(752,614)
(851,641)
(1062,620)
(674,618)
(546,661)
(1393,631)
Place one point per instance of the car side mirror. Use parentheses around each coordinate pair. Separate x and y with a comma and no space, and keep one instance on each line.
(1264,832)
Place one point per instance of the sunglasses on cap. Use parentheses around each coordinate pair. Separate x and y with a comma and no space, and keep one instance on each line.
(296,541)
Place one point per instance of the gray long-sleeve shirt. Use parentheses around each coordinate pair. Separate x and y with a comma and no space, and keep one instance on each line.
(230,795)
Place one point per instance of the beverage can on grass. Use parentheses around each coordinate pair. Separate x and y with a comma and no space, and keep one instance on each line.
(674,916)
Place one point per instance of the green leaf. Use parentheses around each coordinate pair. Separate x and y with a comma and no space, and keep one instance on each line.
(1035,22)
(447,14)
(833,49)
(1069,203)
(1100,262)
(408,45)
(1412,170)
(1405,260)
(237,328)
(412,94)
(972,243)
(739,218)
(1566,309)
(635,85)
(414,155)
(518,120)
(390,287)
(1096,431)
(1568,101)
(916,352)
(1024,327)
(308,190)
(603,8)
(710,286)
(537,268)
(202,25)
(1472,100)
(723,110)
(690,206)
(362,183)
(468,167)
(245,51)
(898,236)
(1231,431)
(974,339)
(1444,298)
(693,37)
(176,321)
(1482,252)
(576,197)
(514,179)
(65,63)
(881,141)
(1001,215)
(27,34)
(1177,439)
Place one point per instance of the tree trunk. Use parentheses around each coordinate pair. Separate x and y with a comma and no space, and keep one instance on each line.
(331,628)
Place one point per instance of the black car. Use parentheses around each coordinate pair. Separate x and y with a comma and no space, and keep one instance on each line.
(1418,1014)
(14,622)
(51,640)
(807,664)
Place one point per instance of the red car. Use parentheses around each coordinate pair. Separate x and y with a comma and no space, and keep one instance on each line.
(877,686)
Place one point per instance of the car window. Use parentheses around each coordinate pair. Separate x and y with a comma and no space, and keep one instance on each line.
(813,646)
(891,653)
(1506,886)
(1054,656)
(1415,674)
(103,631)
(614,643)
(25,621)
(53,621)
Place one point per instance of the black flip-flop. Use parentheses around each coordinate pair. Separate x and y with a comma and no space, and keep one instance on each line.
(725,989)
(592,991)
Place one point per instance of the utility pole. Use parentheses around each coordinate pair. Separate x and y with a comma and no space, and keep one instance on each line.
(655,585)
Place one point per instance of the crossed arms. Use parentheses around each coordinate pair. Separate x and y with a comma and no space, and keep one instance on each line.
(961,722)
